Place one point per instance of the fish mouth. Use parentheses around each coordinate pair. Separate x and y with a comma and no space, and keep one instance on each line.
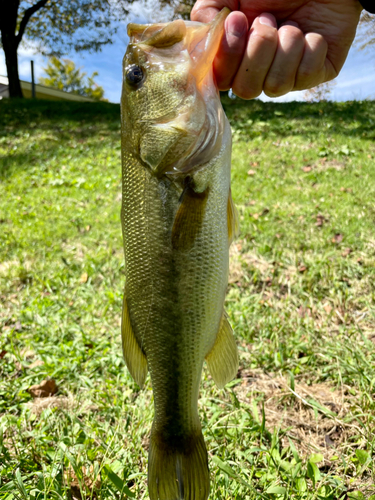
(202,40)
(197,120)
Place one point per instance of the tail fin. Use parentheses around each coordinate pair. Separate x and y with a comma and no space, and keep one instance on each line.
(178,473)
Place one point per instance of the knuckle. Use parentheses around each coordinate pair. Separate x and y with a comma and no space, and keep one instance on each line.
(275,88)
(305,74)
(246,92)
(293,33)
(265,35)
(278,82)
(277,92)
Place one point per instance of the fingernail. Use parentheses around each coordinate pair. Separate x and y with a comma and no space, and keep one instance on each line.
(266,20)
(236,28)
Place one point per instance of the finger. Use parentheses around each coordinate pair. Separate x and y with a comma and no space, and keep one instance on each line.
(229,56)
(258,57)
(313,68)
(205,10)
(282,74)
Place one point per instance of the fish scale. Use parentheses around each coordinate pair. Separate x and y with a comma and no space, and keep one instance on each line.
(178,221)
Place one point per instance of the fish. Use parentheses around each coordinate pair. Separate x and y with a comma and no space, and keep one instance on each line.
(178,221)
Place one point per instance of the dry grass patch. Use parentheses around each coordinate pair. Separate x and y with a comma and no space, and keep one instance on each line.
(314,416)
(38,405)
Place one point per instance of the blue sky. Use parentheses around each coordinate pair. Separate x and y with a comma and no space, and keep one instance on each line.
(356,80)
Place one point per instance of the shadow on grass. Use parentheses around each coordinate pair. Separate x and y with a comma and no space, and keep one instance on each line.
(257,118)
(66,120)
(24,112)
(252,118)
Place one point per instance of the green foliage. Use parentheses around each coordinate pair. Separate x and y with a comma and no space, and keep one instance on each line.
(60,27)
(56,27)
(300,298)
(64,75)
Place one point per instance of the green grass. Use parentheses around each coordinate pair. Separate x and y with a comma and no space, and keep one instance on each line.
(298,422)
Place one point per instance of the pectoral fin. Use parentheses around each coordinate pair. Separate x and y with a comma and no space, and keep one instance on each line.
(232,217)
(189,219)
(222,360)
(133,355)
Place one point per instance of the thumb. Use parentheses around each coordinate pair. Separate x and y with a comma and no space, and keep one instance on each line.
(205,10)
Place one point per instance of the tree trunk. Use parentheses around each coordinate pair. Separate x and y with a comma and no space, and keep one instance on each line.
(10,42)
(11,60)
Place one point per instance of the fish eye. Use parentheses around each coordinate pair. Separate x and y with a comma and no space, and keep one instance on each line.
(134,75)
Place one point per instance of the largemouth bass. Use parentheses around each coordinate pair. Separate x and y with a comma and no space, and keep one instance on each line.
(178,221)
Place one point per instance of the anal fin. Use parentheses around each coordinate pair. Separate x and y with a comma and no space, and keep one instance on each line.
(134,357)
(232,217)
(222,360)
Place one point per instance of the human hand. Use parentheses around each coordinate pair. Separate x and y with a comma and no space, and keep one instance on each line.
(291,44)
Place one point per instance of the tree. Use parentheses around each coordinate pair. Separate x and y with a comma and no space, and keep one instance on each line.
(366,32)
(65,76)
(319,93)
(58,26)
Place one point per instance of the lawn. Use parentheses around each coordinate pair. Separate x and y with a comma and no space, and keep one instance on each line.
(298,422)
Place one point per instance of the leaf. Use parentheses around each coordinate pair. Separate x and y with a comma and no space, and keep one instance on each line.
(118,482)
(358,495)
(224,467)
(320,220)
(8,487)
(346,252)
(45,389)
(321,408)
(72,460)
(84,277)
(315,458)
(63,75)
(345,150)
(362,456)
(20,486)
(229,471)
(301,485)
(313,472)
(294,451)
(35,364)
(276,490)
(337,238)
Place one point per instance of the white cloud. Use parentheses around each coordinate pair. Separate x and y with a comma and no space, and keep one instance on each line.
(25,55)
(24,66)
(357,82)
